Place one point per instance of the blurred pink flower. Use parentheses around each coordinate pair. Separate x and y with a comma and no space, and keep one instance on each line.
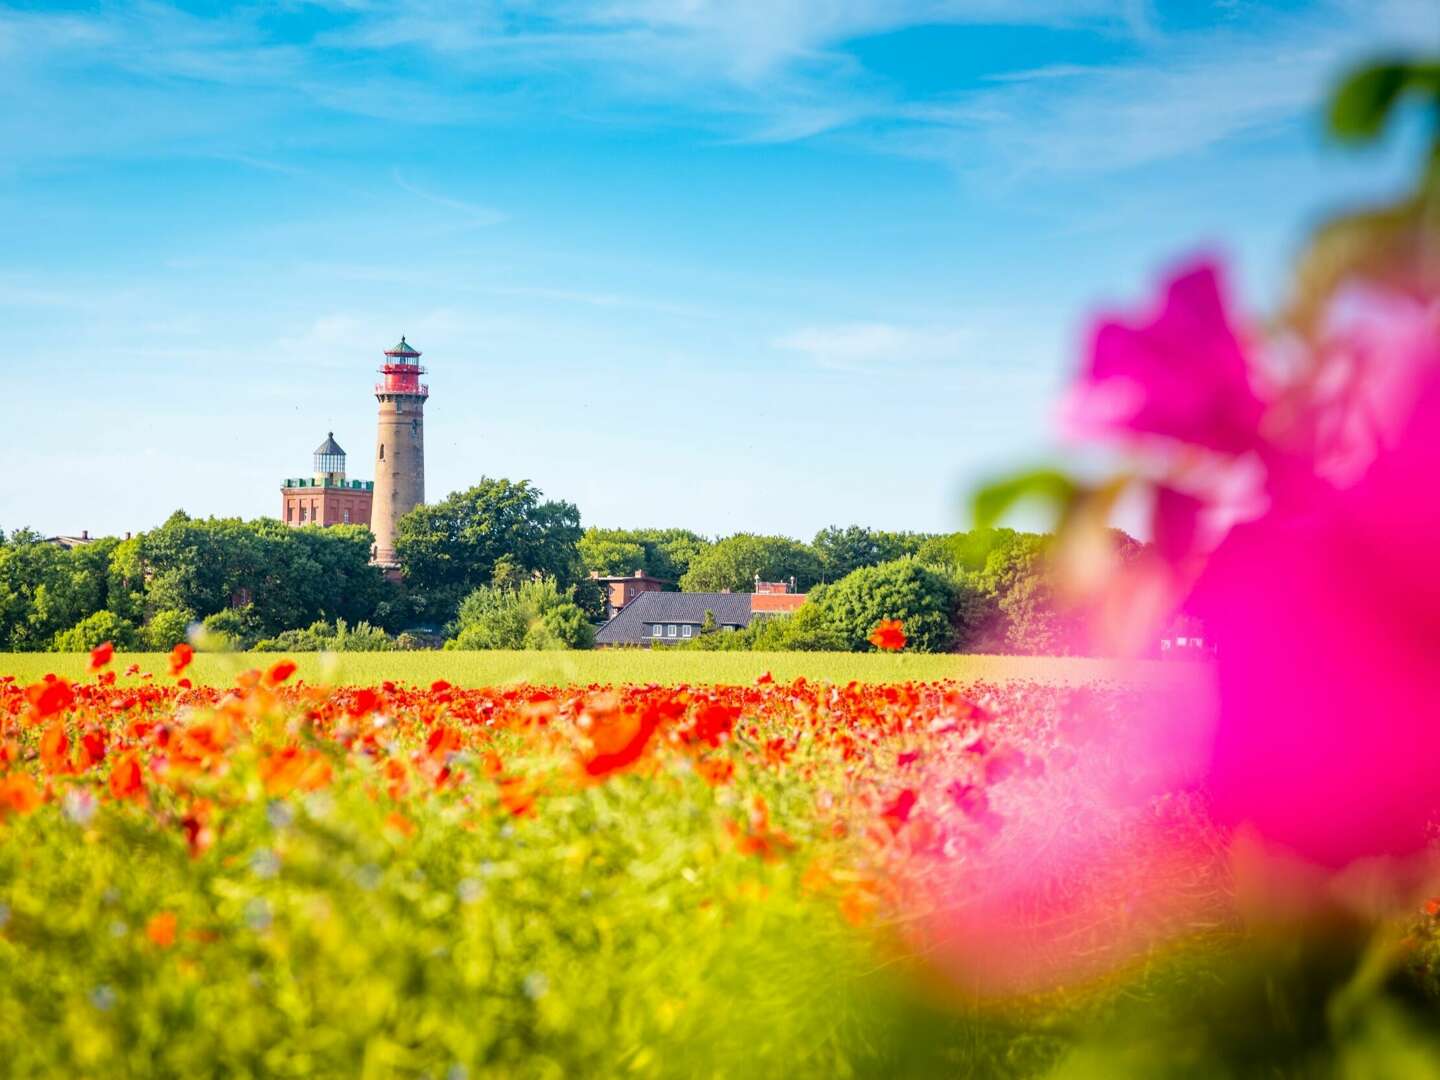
(1321,587)
(1180,375)
(1328,624)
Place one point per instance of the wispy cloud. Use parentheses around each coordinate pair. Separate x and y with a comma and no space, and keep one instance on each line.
(877,346)
(736,70)
(469,213)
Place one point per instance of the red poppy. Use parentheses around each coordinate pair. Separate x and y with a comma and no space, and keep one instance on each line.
(889,634)
(618,740)
(180,658)
(127,781)
(161,929)
(363,703)
(54,748)
(49,697)
(101,655)
(897,811)
(19,794)
(279,672)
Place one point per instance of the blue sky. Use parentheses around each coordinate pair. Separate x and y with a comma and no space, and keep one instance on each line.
(727,265)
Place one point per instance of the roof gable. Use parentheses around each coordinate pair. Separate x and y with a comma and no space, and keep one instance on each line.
(631,625)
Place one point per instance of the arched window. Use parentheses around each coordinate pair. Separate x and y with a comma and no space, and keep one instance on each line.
(382,451)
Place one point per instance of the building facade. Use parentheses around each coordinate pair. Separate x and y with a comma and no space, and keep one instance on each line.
(620,590)
(326,496)
(670,618)
(399,448)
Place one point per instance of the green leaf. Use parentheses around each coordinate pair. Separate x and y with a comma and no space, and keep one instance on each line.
(1365,99)
(993,501)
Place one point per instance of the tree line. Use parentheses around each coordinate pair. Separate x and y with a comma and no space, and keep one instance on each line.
(500,566)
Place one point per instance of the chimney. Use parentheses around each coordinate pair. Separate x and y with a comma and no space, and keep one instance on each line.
(84,534)
(639,573)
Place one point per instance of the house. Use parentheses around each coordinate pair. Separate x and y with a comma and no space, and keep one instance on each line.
(775,597)
(620,590)
(69,542)
(668,618)
(671,618)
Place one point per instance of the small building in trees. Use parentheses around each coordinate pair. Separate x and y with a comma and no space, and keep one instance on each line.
(327,496)
(621,589)
(775,597)
(670,618)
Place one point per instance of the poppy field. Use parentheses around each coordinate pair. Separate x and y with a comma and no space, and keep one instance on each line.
(274,878)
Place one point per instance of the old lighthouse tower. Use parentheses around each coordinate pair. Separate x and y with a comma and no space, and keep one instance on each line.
(399,447)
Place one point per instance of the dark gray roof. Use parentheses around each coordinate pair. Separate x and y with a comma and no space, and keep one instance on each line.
(329,446)
(632,625)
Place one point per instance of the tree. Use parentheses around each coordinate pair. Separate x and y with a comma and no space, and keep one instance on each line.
(537,615)
(45,588)
(734,563)
(166,629)
(452,547)
(844,550)
(95,630)
(920,597)
(662,553)
(289,577)
(321,636)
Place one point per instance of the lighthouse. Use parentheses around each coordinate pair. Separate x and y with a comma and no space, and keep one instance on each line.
(399,448)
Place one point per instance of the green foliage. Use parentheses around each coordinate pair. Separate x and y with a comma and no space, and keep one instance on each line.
(661,553)
(497,532)
(906,589)
(1051,486)
(1364,101)
(288,577)
(537,615)
(735,562)
(46,589)
(232,629)
(166,629)
(844,550)
(321,636)
(95,630)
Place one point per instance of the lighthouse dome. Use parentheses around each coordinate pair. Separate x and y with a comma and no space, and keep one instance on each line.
(329,461)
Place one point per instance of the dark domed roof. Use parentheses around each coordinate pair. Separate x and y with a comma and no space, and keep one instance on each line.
(329,446)
(403,349)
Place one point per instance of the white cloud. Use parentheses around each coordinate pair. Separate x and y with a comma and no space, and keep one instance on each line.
(877,346)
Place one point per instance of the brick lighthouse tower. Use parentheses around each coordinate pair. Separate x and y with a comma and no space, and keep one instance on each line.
(399,447)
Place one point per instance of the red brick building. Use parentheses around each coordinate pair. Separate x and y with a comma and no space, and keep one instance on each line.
(619,591)
(326,497)
(775,597)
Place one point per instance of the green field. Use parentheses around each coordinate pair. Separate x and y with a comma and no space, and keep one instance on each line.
(627,666)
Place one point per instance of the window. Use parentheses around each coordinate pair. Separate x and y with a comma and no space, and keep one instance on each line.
(656,630)
(346,514)
(685,631)
(382,451)
(302,515)
(671,630)
(289,512)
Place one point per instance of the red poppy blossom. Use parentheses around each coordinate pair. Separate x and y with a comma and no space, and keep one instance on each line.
(101,655)
(279,672)
(180,658)
(161,929)
(127,781)
(49,697)
(889,634)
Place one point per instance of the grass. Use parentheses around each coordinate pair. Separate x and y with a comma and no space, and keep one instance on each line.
(620,666)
